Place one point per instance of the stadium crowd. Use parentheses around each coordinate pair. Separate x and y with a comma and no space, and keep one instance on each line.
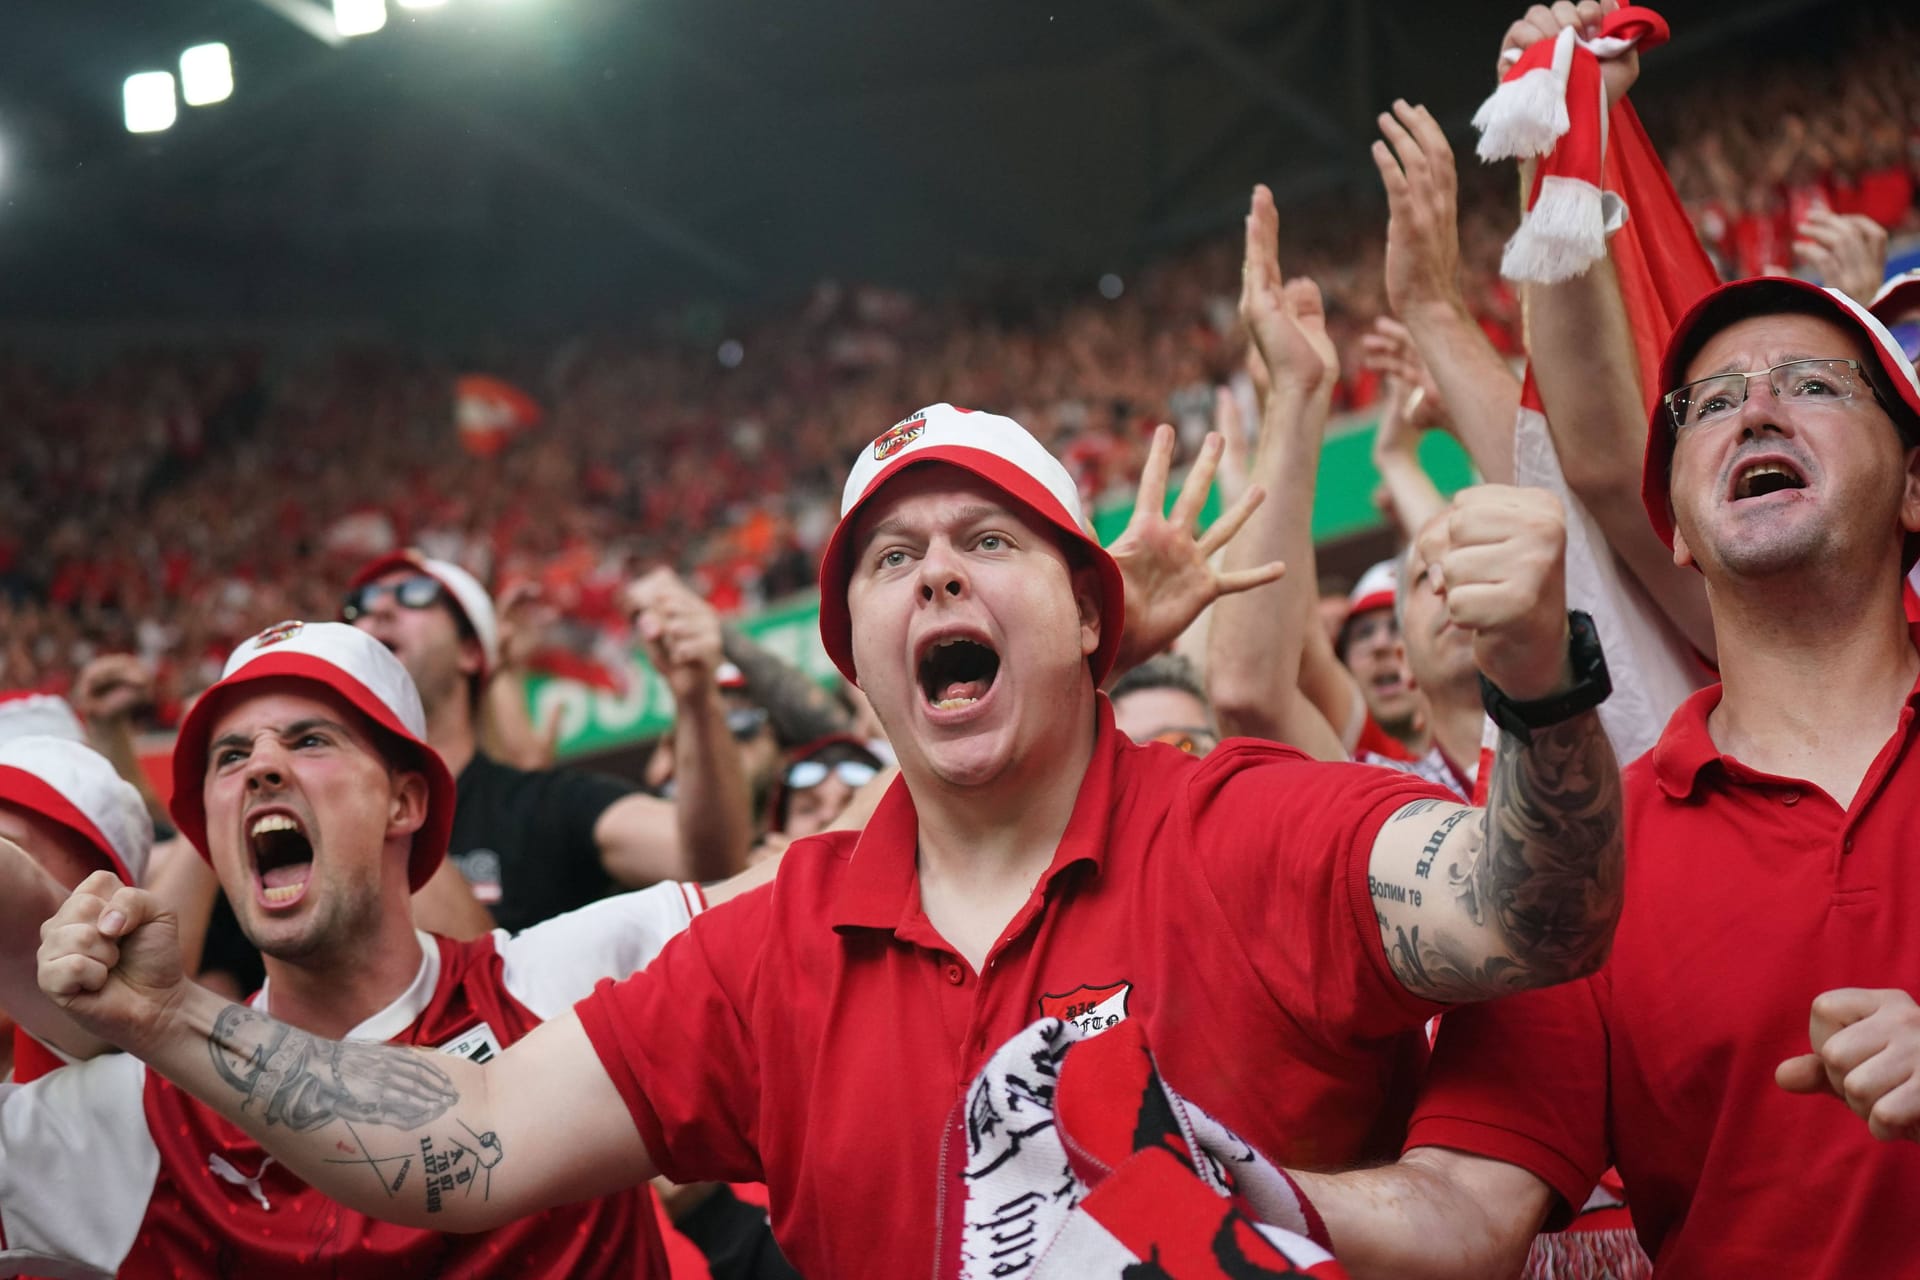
(1499,916)
(117,533)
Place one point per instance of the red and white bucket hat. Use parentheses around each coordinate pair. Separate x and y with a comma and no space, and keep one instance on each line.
(1001,452)
(24,713)
(472,598)
(1742,300)
(72,784)
(353,665)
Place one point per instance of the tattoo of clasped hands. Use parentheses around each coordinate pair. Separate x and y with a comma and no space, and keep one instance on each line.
(294,1079)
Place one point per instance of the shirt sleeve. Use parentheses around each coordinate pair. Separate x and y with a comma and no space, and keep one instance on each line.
(677,1041)
(571,802)
(1284,843)
(1523,1079)
(77,1168)
(556,963)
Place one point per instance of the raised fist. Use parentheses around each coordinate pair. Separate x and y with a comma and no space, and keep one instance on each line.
(1499,557)
(111,958)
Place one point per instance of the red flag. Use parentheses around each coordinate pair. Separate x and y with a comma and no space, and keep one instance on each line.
(490,412)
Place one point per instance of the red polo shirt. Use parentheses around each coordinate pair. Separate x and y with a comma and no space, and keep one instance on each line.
(817,1035)
(1747,896)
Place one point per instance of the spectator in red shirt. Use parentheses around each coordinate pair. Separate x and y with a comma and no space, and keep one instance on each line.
(1276,922)
(1771,879)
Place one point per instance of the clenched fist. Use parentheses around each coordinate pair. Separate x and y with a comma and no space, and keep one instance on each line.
(681,632)
(111,958)
(1866,1052)
(1498,560)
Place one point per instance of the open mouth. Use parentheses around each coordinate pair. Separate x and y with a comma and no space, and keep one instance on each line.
(282,858)
(1758,479)
(956,672)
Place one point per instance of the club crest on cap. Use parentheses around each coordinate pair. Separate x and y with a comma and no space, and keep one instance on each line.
(277,632)
(899,436)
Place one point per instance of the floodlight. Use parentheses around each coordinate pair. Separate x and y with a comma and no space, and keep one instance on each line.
(421,4)
(206,75)
(358,17)
(149,101)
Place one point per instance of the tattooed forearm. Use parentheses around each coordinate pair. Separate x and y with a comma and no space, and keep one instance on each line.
(1532,888)
(802,710)
(291,1078)
(1552,876)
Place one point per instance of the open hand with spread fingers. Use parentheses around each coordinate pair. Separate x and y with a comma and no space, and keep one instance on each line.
(1165,562)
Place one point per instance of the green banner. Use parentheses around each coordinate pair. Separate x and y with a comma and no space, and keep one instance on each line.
(594,720)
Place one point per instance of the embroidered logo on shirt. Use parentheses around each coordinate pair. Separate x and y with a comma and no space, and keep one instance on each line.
(1089,1008)
(899,436)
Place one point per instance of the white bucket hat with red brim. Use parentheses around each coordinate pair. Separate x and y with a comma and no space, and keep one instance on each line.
(72,784)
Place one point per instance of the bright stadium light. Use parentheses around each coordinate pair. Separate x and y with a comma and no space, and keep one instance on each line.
(206,75)
(149,101)
(421,4)
(358,17)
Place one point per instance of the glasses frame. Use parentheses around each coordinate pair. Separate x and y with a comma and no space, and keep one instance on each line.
(406,593)
(863,773)
(1670,401)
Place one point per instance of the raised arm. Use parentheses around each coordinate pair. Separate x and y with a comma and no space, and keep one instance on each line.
(1585,362)
(405,1135)
(1478,903)
(1423,287)
(29,896)
(712,810)
(1257,644)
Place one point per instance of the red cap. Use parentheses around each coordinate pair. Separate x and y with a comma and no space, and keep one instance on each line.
(1742,300)
(999,451)
(356,667)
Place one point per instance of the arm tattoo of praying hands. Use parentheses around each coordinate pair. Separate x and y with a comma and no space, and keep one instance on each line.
(1537,884)
(295,1079)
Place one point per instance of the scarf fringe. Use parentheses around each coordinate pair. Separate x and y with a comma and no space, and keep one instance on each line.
(1564,234)
(1588,1255)
(1524,117)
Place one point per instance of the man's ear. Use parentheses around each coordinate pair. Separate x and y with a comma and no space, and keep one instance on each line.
(472,656)
(1682,555)
(1910,498)
(1086,598)
(407,809)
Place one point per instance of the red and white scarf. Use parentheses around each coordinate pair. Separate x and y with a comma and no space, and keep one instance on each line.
(1551,106)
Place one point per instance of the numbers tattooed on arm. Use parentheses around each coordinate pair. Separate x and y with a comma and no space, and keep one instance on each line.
(292,1078)
(1534,889)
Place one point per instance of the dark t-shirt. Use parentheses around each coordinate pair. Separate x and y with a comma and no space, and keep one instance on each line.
(524,841)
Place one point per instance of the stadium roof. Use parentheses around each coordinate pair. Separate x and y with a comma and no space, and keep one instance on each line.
(544,163)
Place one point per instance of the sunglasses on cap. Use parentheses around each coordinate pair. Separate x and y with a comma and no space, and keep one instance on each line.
(745,722)
(808,774)
(416,592)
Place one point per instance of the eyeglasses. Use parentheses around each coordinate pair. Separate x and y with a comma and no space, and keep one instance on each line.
(745,722)
(416,592)
(808,774)
(1806,382)
(1196,742)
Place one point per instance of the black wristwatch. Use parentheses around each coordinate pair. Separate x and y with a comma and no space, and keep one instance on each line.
(1591,685)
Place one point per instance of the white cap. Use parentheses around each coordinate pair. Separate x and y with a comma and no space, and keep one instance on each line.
(75,786)
(1376,588)
(475,604)
(25,713)
(994,448)
(353,665)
